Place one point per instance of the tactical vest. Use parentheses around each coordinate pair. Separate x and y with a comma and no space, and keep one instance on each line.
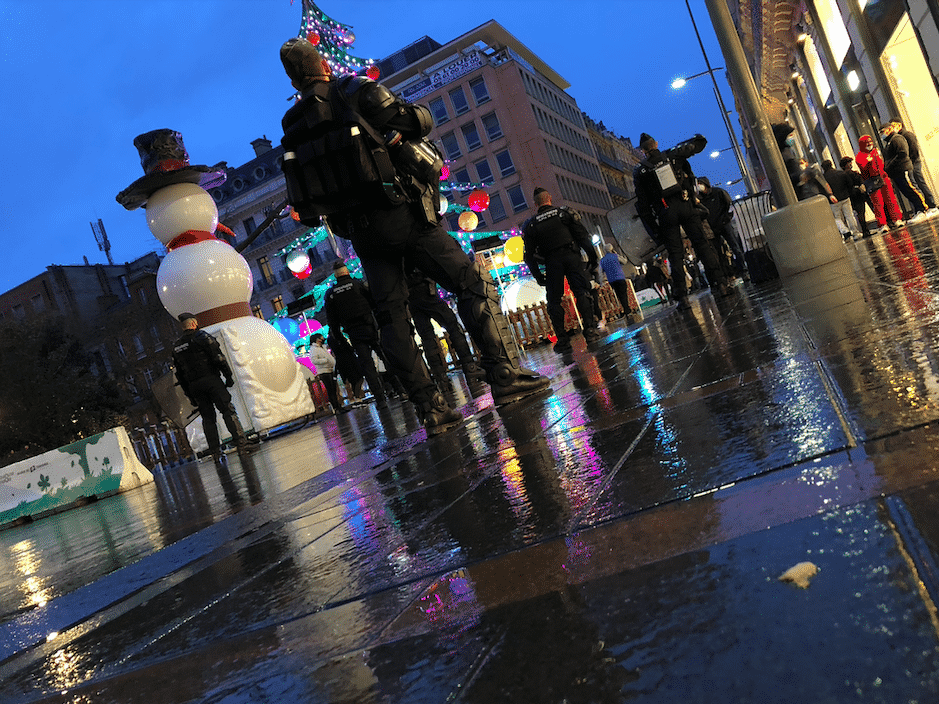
(334,160)
(548,231)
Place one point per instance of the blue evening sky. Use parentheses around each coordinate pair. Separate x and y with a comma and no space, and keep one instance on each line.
(81,78)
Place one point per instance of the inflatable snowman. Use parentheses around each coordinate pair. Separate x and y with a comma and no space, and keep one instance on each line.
(207,277)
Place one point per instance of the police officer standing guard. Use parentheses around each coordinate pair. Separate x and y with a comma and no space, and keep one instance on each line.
(557,235)
(348,306)
(665,201)
(353,152)
(199,363)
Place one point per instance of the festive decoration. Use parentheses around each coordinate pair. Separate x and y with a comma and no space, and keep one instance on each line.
(305,274)
(444,204)
(468,221)
(515,249)
(478,201)
(445,173)
(373,72)
(294,214)
(298,261)
(333,39)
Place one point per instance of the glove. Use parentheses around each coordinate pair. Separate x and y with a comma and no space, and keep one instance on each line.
(229,382)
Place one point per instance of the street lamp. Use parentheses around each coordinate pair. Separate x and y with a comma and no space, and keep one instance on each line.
(717,152)
(741,164)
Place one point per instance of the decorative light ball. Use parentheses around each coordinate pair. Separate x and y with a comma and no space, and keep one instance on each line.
(298,260)
(309,326)
(444,173)
(313,38)
(515,249)
(478,201)
(305,274)
(373,72)
(199,277)
(444,204)
(173,210)
(349,38)
(262,351)
(295,215)
(289,328)
(468,221)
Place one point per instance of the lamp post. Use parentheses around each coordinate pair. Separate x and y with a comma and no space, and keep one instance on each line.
(717,152)
(742,165)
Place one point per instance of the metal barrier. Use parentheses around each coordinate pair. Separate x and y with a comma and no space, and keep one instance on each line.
(749,212)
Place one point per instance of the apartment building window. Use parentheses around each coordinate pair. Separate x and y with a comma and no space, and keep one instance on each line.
(462,176)
(267,274)
(155,336)
(124,287)
(248,224)
(148,376)
(496,207)
(506,165)
(480,92)
(451,147)
(517,199)
(138,346)
(142,296)
(278,303)
(18,311)
(458,100)
(256,312)
(37,303)
(492,127)
(471,136)
(484,171)
(439,110)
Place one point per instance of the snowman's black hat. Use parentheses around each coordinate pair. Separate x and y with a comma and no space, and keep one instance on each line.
(165,161)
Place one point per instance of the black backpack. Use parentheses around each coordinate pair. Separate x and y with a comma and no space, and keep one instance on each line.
(334,160)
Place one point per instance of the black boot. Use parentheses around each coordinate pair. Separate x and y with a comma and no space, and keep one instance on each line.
(510,383)
(475,378)
(435,413)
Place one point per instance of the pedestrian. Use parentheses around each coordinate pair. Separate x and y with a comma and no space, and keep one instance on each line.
(899,167)
(388,212)
(347,367)
(878,185)
(612,265)
(427,307)
(841,187)
(200,370)
(556,235)
(348,307)
(325,365)
(658,279)
(720,218)
(860,198)
(786,141)
(812,183)
(666,203)
(919,167)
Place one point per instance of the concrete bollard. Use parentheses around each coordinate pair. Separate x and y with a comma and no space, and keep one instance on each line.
(803,236)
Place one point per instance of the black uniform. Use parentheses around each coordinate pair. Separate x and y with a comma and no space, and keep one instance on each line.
(348,306)
(200,366)
(556,235)
(383,234)
(665,213)
(720,218)
(426,307)
(919,175)
(899,167)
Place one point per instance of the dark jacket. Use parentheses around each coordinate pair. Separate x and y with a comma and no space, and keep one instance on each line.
(348,304)
(650,203)
(197,355)
(897,155)
(554,227)
(912,144)
(840,182)
(718,202)
(814,183)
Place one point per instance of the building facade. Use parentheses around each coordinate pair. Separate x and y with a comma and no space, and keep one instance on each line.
(618,160)
(503,119)
(839,69)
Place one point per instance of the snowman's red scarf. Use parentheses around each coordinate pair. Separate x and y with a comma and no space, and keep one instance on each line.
(194,236)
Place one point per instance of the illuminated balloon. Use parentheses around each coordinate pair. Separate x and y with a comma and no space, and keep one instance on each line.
(349,38)
(309,326)
(444,204)
(478,201)
(298,261)
(373,72)
(305,273)
(289,328)
(313,38)
(515,249)
(468,221)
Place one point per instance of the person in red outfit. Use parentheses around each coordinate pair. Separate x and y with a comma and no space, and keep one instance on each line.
(871,165)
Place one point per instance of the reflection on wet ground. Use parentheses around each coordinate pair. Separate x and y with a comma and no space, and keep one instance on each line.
(619,538)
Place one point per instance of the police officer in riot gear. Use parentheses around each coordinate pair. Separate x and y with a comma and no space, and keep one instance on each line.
(384,229)
(200,367)
(666,204)
(348,306)
(557,236)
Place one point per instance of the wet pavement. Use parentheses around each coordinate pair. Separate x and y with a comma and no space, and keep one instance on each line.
(618,539)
